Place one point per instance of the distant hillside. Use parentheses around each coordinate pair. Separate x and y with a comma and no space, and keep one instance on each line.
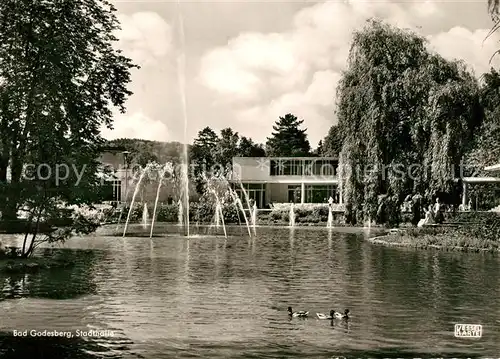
(144,151)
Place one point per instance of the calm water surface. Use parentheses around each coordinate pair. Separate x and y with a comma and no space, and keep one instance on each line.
(215,298)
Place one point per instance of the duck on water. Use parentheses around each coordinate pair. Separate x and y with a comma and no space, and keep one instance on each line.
(334,315)
(299,314)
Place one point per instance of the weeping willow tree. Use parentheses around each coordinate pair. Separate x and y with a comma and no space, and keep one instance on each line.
(406,115)
(494,11)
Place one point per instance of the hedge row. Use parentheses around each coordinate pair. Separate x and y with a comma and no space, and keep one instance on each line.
(204,212)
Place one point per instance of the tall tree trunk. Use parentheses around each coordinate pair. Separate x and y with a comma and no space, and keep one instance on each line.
(35,232)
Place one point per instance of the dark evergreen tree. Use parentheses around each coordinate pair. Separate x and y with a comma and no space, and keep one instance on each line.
(288,139)
(319,149)
(332,144)
(204,156)
(247,148)
(227,148)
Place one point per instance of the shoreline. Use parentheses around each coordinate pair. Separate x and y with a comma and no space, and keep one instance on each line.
(18,265)
(402,240)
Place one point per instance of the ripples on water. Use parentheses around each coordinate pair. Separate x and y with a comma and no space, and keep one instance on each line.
(216,298)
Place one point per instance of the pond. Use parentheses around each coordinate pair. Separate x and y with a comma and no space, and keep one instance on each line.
(169,297)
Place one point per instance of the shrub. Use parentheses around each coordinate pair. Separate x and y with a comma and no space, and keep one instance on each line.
(276,215)
(110,214)
(305,214)
(320,212)
(301,212)
(310,218)
(204,212)
(167,213)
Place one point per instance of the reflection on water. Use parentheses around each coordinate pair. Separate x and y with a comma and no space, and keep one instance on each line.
(211,297)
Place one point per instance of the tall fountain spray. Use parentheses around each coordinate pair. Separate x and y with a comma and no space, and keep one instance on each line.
(181,76)
(247,199)
(239,206)
(291,222)
(145,217)
(127,195)
(219,215)
(254,218)
(329,222)
(143,173)
(180,213)
(160,181)
(368,223)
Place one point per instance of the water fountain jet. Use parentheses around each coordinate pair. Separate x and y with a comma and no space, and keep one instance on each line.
(136,190)
(291,214)
(145,217)
(329,222)
(254,218)
(162,174)
(239,206)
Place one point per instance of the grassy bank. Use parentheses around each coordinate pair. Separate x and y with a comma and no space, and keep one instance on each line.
(467,232)
(32,265)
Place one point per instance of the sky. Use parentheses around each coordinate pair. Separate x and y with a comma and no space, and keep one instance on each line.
(242,64)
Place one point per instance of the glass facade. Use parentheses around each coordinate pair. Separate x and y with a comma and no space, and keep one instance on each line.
(313,193)
(320,193)
(255,192)
(303,167)
(112,191)
(294,193)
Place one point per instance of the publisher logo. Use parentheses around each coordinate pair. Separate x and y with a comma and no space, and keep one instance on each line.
(468,330)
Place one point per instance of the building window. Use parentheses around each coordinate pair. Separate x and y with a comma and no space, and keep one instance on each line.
(255,192)
(323,168)
(280,167)
(294,193)
(303,167)
(321,193)
(117,190)
(297,167)
(112,191)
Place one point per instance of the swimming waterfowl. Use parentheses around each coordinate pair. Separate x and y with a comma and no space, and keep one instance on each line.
(299,314)
(338,315)
(324,316)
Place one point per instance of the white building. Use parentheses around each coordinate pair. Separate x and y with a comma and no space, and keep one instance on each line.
(116,181)
(122,179)
(269,180)
(466,181)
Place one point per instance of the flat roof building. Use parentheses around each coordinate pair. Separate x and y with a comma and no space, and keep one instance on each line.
(269,180)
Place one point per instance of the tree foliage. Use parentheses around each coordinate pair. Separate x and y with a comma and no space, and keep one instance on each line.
(288,139)
(60,78)
(406,117)
(227,147)
(248,148)
(143,152)
(494,11)
(332,144)
(213,153)
(486,145)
